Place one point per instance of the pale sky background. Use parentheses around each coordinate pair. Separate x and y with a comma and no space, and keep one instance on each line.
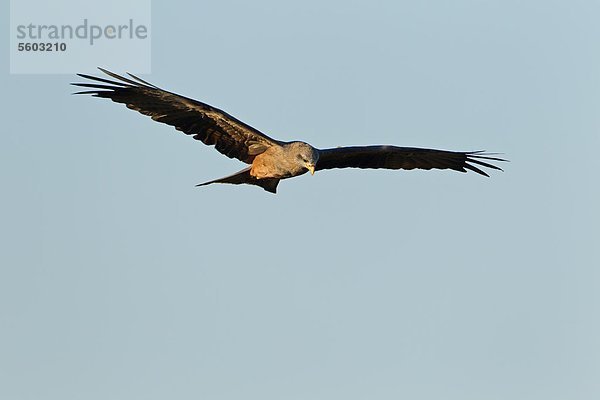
(121,280)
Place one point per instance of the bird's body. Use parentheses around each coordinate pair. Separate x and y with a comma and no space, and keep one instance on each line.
(269,160)
(283,161)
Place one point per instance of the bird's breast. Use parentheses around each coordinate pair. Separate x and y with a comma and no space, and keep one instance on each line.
(268,165)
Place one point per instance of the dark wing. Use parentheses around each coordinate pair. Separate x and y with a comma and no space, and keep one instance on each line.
(391,157)
(210,125)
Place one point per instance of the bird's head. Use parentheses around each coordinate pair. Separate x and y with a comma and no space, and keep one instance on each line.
(306,155)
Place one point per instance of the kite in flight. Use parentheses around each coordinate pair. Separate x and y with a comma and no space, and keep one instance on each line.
(269,160)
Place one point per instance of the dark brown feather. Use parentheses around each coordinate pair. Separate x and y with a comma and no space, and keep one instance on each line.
(203,122)
(392,157)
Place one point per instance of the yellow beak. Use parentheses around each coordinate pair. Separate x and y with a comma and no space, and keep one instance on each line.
(311,168)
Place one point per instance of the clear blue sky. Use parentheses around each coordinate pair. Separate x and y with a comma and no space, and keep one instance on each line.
(121,280)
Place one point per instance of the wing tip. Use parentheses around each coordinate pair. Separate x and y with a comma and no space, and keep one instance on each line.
(476,157)
(111,85)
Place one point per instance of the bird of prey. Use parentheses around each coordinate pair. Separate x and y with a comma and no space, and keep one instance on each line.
(269,160)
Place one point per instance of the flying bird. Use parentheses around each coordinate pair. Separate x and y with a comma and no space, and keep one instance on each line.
(269,160)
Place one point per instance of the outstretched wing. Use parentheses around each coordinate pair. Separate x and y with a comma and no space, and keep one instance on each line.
(392,157)
(210,125)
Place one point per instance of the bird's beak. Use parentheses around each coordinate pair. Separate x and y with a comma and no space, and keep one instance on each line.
(311,168)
